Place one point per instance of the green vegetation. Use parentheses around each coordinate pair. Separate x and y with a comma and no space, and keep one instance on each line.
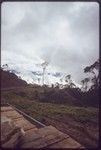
(70,109)
(81,123)
(48,109)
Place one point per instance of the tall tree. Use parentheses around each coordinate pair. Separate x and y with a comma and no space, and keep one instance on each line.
(68,79)
(85,83)
(92,69)
(82,84)
(44,65)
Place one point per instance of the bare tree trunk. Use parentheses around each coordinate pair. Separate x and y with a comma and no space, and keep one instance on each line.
(43,76)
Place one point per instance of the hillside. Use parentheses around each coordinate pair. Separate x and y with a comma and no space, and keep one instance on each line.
(9,80)
(53,106)
(34,75)
(81,123)
(68,96)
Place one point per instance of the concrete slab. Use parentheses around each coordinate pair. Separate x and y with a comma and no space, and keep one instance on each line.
(23,123)
(43,137)
(67,143)
(8,108)
(11,114)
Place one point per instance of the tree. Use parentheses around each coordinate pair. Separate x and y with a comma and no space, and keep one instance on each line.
(61,80)
(92,69)
(68,79)
(85,83)
(38,80)
(82,82)
(72,85)
(44,65)
(57,85)
(52,85)
(86,80)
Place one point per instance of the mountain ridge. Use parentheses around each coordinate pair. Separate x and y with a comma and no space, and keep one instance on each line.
(9,80)
(35,77)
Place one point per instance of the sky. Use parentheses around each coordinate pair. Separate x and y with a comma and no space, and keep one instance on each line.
(65,34)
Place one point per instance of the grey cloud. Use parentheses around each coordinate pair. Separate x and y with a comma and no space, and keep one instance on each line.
(63,33)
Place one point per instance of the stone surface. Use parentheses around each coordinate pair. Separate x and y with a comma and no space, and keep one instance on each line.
(17,131)
(42,137)
(67,143)
(13,141)
(23,123)
(8,108)
(11,114)
(9,134)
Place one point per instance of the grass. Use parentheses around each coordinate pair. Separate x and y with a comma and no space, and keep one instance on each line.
(78,113)
(81,123)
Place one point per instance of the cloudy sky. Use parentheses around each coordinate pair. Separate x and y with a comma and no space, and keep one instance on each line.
(66,34)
